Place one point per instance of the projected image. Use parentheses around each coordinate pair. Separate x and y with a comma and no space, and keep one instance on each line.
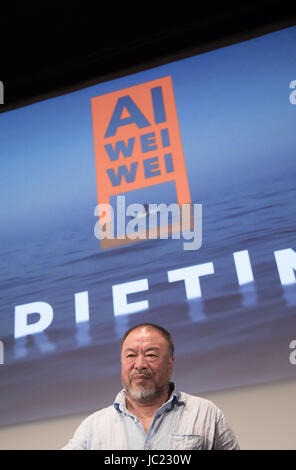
(82,259)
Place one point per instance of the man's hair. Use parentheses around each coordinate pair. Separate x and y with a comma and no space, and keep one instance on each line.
(167,336)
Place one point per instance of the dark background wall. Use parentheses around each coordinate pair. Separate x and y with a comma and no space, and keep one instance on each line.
(47,48)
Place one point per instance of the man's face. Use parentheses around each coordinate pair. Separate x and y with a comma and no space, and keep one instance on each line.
(146,366)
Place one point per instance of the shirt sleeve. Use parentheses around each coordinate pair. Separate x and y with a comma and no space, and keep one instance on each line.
(224,436)
(79,439)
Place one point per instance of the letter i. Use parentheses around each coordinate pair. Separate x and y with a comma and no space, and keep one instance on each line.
(158,105)
(165,138)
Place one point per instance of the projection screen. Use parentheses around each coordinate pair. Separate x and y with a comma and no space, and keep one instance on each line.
(86,251)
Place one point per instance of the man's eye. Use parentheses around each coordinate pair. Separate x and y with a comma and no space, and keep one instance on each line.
(150,355)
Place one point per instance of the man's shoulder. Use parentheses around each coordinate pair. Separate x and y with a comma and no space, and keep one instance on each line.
(108,412)
(198,402)
(100,414)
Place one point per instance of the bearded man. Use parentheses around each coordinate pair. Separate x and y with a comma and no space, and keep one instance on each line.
(149,413)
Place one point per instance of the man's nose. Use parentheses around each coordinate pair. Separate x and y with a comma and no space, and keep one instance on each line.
(140,362)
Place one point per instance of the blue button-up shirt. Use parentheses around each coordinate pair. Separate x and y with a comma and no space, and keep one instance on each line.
(183,422)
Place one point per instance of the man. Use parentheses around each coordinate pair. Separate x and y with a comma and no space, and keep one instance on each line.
(149,413)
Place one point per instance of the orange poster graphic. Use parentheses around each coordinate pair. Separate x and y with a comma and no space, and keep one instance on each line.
(137,140)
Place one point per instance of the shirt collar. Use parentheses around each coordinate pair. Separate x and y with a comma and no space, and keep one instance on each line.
(175,398)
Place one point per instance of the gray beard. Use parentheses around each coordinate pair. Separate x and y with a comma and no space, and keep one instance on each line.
(145,395)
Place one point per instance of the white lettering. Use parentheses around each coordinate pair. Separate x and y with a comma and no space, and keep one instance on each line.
(81,307)
(190,276)
(163,210)
(196,235)
(243,267)
(120,292)
(121,230)
(104,228)
(134,210)
(286,264)
(22,328)
(143,215)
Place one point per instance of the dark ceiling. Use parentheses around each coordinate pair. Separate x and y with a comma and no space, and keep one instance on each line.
(47,49)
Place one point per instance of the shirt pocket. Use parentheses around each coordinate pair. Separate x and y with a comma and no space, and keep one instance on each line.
(185,441)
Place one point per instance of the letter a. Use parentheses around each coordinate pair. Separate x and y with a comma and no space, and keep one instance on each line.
(135,116)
